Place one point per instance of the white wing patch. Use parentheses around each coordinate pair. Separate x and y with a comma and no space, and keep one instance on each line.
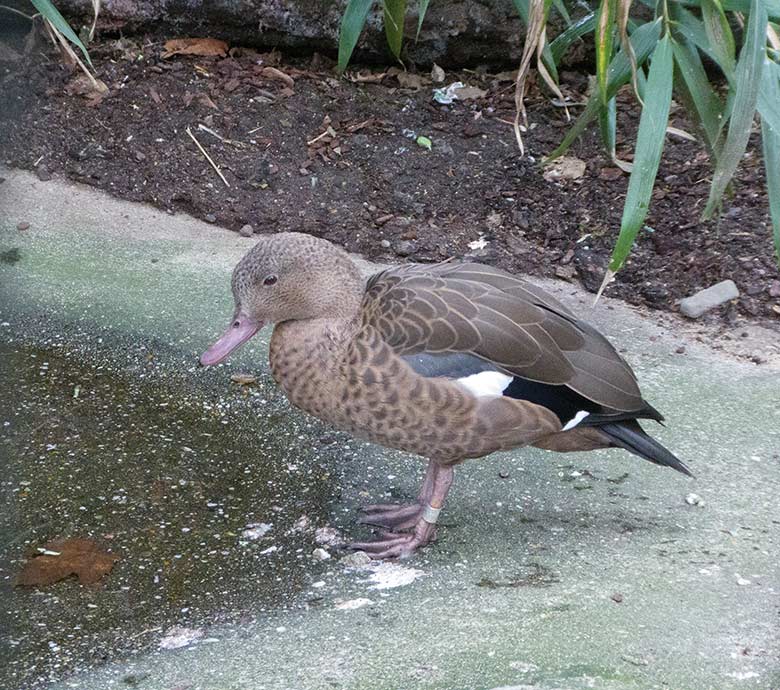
(574,421)
(486,383)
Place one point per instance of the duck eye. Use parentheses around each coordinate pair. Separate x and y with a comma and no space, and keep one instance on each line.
(270,280)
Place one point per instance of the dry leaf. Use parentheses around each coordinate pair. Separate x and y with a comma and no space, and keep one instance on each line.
(466,93)
(366,77)
(81,557)
(195,46)
(437,74)
(565,168)
(243,379)
(278,75)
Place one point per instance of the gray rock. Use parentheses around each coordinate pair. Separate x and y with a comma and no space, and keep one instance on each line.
(405,247)
(246,230)
(458,32)
(356,559)
(704,300)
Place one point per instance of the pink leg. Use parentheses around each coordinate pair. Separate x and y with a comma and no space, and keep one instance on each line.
(400,517)
(400,545)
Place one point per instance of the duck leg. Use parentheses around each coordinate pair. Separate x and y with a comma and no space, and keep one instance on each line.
(392,516)
(401,545)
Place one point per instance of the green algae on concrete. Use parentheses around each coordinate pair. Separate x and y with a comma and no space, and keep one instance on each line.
(552,571)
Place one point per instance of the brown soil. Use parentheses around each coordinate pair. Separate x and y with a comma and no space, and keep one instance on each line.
(362,181)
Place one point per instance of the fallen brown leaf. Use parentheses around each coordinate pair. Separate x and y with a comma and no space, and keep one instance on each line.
(366,77)
(243,379)
(81,557)
(278,75)
(195,46)
(565,168)
(466,93)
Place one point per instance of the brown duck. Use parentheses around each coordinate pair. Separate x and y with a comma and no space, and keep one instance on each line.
(449,362)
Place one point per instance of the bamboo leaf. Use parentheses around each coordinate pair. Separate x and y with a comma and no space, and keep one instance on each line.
(707,107)
(718,31)
(770,136)
(422,10)
(352,24)
(769,96)
(50,12)
(522,9)
(605,31)
(607,125)
(563,41)
(395,11)
(647,156)
(747,78)
(560,6)
(643,41)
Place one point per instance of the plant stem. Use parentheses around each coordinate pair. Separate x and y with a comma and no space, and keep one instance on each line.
(20,13)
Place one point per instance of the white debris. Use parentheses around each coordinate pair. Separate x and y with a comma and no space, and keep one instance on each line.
(329,536)
(256,530)
(694,500)
(302,524)
(178,637)
(387,575)
(270,549)
(320,554)
(356,559)
(352,604)
(742,581)
(479,243)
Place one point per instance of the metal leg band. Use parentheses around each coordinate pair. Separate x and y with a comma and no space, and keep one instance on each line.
(430,514)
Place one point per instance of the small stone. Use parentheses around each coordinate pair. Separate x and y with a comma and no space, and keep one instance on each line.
(140,156)
(405,248)
(356,559)
(742,581)
(444,148)
(320,554)
(694,500)
(246,230)
(24,225)
(680,350)
(774,289)
(564,272)
(256,530)
(700,303)
(329,536)
(210,218)
(43,173)
(617,597)
(385,244)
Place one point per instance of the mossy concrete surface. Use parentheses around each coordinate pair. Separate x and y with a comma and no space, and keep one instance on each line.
(551,571)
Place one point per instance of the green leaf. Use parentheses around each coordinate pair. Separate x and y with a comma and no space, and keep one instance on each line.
(421,11)
(747,78)
(643,40)
(607,125)
(770,137)
(605,32)
(563,41)
(718,31)
(522,9)
(649,146)
(772,7)
(560,6)
(50,12)
(424,142)
(769,96)
(395,11)
(352,24)
(707,107)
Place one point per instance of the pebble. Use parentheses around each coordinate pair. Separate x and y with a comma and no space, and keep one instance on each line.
(680,350)
(43,173)
(320,554)
(24,225)
(328,536)
(210,218)
(385,244)
(140,156)
(405,247)
(256,530)
(246,230)
(356,559)
(617,597)
(694,500)
(704,300)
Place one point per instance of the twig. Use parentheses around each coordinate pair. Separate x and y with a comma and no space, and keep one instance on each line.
(208,158)
(317,138)
(21,14)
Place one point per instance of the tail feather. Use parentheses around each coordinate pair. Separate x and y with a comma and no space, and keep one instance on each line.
(627,434)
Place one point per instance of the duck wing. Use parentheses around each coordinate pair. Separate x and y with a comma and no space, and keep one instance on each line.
(496,321)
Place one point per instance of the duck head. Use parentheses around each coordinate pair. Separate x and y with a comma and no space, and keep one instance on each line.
(284,277)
